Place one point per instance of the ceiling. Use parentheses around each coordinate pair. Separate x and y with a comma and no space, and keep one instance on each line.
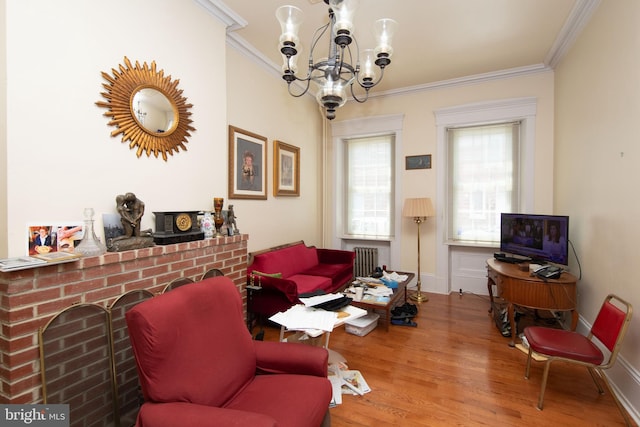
(438,42)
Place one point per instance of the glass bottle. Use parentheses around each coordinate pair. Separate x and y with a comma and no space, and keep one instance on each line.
(90,245)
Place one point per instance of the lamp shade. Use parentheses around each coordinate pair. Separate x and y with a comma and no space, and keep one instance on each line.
(418,208)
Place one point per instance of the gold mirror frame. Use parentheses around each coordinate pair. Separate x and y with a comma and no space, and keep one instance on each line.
(122,88)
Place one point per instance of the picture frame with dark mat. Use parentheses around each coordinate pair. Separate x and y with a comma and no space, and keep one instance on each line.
(422,161)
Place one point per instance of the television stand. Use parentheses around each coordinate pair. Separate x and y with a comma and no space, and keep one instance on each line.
(518,287)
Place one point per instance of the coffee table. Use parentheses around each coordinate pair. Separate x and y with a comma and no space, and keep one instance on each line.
(297,312)
(399,295)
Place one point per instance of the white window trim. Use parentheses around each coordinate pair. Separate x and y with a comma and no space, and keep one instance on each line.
(523,109)
(359,128)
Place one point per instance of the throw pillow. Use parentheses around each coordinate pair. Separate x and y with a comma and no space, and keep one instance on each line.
(259,273)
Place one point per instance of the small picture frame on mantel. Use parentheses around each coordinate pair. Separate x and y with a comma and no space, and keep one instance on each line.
(422,161)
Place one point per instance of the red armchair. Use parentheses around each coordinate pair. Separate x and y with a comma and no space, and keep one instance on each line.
(198,365)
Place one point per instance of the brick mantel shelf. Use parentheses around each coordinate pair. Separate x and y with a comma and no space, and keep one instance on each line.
(30,298)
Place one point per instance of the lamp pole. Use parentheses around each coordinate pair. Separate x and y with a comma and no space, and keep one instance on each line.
(418,296)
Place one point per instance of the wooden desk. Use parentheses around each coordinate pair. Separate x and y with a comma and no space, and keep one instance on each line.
(518,287)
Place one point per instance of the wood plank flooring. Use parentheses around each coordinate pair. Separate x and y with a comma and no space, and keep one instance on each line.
(456,369)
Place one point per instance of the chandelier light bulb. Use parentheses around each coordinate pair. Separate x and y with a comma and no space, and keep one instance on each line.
(344,11)
(367,70)
(290,18)
(384,29)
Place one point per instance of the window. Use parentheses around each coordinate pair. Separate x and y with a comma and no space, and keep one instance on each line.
(483,180)
(369,186)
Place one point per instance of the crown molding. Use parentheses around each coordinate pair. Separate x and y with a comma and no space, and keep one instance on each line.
(573,26)
(224,13)
(577,20)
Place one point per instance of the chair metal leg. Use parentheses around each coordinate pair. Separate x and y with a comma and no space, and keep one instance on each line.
(545,375)
(623,411)
(595,380)
(529,357)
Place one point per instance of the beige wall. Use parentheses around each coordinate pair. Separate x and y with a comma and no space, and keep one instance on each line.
(419,137)
(61,157)
(258,101)
(598,154)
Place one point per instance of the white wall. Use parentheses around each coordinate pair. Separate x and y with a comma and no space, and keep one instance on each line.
(419,137)
(61,157)
(3,132)
(597,175)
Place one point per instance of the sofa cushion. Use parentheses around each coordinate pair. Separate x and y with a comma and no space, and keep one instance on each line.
(260,273)
(327,270)
(308,283)
(288,261)
(279,396)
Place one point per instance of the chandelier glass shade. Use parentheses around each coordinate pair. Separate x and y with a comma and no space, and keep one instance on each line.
(340,68)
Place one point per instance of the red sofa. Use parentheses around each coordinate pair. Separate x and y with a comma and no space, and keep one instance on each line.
(198,365)
(299,269)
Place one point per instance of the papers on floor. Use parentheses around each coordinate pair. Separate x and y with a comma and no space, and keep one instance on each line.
(346,381)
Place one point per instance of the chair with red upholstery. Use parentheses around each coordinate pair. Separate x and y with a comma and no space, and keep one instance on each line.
(596,351)
(198,365)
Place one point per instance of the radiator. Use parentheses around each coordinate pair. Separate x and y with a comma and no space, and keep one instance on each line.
(366,261)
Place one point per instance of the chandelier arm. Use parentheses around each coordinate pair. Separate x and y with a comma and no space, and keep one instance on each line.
(353,94)
(306,89)
(316,38)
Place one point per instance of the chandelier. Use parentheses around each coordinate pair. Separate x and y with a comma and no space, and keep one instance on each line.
(337,70)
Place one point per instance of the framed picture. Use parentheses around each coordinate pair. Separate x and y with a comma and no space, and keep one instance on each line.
(286,169)
(247,165)
(418,162)
(50,238)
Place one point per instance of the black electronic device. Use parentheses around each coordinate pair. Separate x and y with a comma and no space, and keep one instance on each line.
(334,304)
(548,272)
(502,257)
(542,238)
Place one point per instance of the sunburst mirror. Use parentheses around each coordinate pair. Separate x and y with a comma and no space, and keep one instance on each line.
(147,108)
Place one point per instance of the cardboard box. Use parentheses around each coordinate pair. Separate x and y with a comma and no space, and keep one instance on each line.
(362,325)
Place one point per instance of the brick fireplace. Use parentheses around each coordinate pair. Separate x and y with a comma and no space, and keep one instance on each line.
(30,298)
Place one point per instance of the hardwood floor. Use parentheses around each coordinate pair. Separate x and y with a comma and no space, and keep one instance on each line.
(456,369)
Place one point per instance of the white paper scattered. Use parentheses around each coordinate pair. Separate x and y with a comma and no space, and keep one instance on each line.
(300,317)
(395,276)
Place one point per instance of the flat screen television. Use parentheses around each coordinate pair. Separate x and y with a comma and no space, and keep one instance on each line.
(541,238)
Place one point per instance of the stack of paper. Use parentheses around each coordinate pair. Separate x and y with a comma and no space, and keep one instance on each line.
(395,276)
(315,321)
(300,317)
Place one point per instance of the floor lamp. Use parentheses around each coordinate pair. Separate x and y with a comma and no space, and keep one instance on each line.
(419,209)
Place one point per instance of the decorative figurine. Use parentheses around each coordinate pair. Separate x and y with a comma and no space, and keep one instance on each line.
(131,210)
(231,221)
(218,219)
